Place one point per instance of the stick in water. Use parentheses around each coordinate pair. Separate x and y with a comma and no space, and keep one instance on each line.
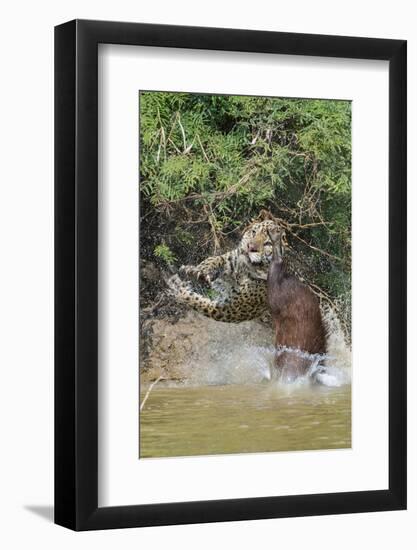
(149,391)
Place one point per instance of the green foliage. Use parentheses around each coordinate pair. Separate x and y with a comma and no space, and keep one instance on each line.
(163,252)
(209,164)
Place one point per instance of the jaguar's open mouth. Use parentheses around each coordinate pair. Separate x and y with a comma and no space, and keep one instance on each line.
(258,259)
(254,257)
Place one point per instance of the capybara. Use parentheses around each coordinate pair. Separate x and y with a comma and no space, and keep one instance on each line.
(299,328)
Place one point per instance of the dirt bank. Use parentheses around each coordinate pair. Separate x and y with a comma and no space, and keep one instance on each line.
(176,348)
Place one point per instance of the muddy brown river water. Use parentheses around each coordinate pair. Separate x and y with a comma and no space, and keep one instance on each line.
(240,418)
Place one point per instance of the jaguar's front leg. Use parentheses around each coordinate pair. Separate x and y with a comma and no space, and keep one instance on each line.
(225,308)
(206,271)
(194,271)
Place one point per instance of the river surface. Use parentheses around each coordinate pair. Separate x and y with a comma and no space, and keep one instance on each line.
(186,420)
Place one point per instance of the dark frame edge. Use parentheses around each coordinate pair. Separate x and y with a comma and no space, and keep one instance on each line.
(119,517)
(242,40)
(398,273)
(65,258)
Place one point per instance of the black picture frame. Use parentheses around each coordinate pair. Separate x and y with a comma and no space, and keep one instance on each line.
(76,272)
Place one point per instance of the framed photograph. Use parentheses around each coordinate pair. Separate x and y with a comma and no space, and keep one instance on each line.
(230,255)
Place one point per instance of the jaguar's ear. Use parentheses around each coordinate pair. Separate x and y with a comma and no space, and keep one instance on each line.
(261,217)
(265,215)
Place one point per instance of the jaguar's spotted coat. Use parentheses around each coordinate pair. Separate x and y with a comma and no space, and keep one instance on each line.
(235,281)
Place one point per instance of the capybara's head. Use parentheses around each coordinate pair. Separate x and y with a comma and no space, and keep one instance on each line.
(278,242)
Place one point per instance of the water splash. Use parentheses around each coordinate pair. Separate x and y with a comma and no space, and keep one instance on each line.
(200,351)
(243,364)
(249,363)
(339,354)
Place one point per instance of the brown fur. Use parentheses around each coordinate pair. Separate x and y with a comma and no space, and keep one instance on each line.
(296,315)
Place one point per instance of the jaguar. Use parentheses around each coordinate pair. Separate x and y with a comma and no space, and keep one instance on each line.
(230,287)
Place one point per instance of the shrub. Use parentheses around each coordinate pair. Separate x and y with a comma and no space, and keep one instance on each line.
(209,164)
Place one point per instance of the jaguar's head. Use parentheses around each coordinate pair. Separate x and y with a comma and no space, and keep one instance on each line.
(256,242)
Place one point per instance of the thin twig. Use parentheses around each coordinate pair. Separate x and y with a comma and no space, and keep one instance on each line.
(174,122)
(175,147)
(317,249)
(215,195)
(202,148)
(182,131)
(288,226)
(148,392)
(212,221)
(306,225)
